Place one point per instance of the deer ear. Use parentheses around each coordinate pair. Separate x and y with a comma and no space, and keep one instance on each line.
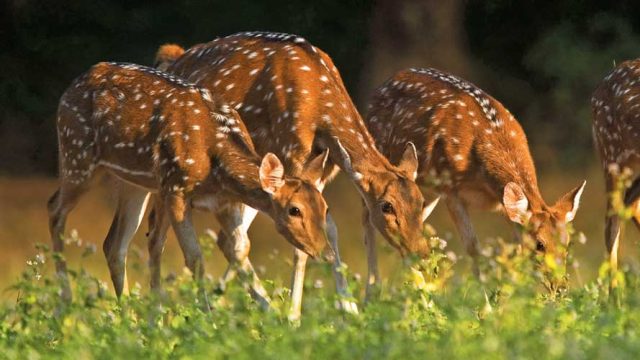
(409,162)
(167,54)
(569,203)
(346,162)
(315,169)
(515,203)
(271,174)
(429,209)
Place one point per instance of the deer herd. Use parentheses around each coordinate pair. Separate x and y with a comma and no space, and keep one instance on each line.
(260,121)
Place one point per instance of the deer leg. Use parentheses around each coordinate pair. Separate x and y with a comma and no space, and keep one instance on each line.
(460,216)
(373,276)
(341,282)
(612,229)
(59,206)
(297,283)
(180,216)
(179,212)
(224,243)
(132,202)
(158,226)
(234,242)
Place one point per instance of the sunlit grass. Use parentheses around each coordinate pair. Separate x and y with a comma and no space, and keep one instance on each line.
(423,311)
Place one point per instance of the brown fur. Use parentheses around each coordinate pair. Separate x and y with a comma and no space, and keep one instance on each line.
(294,104)
(170,137)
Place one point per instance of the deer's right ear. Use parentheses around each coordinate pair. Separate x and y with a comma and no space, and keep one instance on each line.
(409,162)
(271,174)
(516,203)
(315,169)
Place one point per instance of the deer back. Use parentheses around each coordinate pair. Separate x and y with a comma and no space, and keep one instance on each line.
(285,89)
(148,127)
(616,114)
(457,128)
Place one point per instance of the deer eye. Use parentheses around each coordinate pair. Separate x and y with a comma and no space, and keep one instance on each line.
(540,246)
(294,211)
(387,208)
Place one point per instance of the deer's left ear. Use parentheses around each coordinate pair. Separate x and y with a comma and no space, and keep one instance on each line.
(428,209)
(409,162)
(569,202)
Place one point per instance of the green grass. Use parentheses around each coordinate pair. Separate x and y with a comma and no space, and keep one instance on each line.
(426,313)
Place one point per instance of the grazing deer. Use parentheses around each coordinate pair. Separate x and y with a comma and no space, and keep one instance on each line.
(294,104)
(464,134)
(157,133)
(616,133)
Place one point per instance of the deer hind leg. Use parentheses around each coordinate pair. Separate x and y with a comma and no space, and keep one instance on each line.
(158,226)
(460,216)
(180,215)
(373,276)
(59,206)
(341,282)
(234,243)
(132,202)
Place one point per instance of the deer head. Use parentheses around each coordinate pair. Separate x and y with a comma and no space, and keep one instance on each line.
(298,208)
(547,225)
(395,203)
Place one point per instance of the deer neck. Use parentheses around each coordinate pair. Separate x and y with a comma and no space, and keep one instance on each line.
(237,172)
(347,131)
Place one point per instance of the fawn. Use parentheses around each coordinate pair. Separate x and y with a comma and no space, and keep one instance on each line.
(463,134)
(156,133)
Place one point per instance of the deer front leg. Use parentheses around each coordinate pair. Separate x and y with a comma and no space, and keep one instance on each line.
(234,242)
(373,275)
(132,202)
(460,216)
(297,283)
(341,282)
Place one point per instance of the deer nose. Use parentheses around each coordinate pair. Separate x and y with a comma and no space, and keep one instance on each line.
(423,251)
(328,254)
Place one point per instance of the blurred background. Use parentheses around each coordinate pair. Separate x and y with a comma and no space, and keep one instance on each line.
(541,59)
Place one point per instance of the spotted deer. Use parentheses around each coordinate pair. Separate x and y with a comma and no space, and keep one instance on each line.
(468,138)
(156,133)
(294,104)
(616,133)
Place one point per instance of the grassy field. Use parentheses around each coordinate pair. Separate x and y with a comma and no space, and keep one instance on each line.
(437,311)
